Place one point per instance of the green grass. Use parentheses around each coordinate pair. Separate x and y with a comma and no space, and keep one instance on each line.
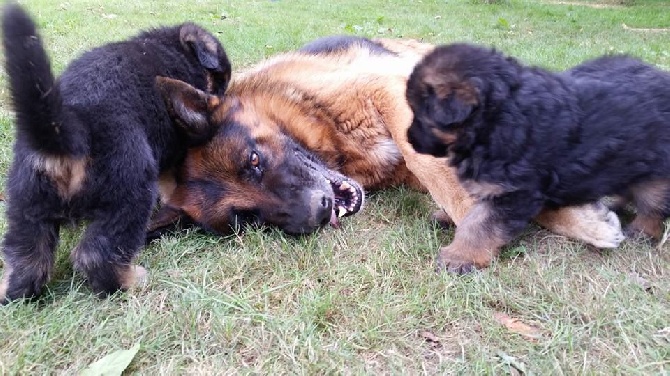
(365,298)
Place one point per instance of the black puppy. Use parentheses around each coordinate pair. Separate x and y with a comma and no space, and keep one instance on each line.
(91,146)
(523,138)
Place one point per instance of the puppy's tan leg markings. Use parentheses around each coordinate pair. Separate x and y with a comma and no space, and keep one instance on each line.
(650,200)
(7,272)
(132,276)
(650,226)
(165,216)
(592,223)
(485,190)
(128,275)
(476,243)
(446,137)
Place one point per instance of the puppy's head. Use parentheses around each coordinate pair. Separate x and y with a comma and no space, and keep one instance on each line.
(209,53)
(448,89)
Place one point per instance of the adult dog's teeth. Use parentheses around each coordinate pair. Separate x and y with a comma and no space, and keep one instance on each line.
(345,186)
(341,211)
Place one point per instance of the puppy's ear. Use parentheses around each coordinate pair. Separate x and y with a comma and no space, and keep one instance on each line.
(189,108)
(455,110)
(209,53)
(448,108)
(203,45)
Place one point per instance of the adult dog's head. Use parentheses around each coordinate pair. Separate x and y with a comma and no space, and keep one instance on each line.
(250,172)
(451,89)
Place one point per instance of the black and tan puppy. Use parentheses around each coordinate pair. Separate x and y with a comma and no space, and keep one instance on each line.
(91,146)
(523,138)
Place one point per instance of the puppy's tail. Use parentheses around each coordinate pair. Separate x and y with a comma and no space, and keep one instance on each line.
(40,118)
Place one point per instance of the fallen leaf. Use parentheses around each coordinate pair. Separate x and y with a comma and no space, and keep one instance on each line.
(517,326)
(112,364)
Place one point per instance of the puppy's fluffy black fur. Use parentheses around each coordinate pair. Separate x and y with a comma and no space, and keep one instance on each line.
(523,138)
(91,146)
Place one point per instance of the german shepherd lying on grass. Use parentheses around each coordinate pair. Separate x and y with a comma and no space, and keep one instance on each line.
(523,138)
(321,119)
(91,146)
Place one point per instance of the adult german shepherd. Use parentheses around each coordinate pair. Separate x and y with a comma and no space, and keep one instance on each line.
(302,134)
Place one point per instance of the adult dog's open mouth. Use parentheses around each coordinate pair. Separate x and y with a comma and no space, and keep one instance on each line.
(349,198)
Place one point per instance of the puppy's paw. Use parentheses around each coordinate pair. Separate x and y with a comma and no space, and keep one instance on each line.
(3,291)
(454,261)
(141,275)
(136,276)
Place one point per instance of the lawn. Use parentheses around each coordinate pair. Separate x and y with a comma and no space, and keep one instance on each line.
(364,298)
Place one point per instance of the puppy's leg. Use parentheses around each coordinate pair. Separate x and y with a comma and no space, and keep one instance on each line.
(489,225)
(652,204)
(476,242)
(29,258)
(591,223)
(106,253)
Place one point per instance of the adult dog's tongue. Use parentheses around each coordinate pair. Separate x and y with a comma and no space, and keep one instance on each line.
(349,199)
(334,221)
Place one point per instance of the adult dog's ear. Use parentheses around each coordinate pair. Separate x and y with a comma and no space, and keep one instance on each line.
(190,108)
(209,53)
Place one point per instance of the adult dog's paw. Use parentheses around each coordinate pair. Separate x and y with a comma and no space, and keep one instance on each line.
(599,226)
(593,223)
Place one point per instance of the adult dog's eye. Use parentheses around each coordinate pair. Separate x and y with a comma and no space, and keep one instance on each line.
(254,159)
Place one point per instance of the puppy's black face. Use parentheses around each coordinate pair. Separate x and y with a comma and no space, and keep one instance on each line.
(442,97)
(446,90)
